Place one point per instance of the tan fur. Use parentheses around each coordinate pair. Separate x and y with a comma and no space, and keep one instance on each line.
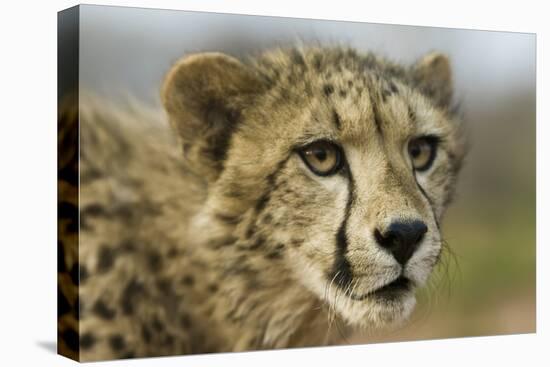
(219,238)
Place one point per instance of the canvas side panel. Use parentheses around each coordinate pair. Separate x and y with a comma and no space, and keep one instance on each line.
(68,272)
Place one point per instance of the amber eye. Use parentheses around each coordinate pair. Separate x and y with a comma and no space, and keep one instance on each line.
(322,157)
(422,152)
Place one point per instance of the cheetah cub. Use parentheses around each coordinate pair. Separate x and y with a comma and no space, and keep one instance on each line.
(271,200)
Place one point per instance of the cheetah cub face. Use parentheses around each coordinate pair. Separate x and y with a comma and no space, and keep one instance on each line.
(332,168)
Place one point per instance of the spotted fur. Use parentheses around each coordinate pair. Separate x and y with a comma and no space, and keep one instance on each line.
(214,236)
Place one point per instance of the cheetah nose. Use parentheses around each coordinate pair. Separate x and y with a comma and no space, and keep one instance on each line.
(401,238)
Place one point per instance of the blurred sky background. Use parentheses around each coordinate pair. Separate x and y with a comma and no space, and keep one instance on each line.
(488,287)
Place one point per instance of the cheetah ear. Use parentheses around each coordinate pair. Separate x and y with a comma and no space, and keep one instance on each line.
(432,75)
(203,95)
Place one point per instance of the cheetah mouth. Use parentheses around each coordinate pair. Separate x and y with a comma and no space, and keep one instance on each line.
(391,291)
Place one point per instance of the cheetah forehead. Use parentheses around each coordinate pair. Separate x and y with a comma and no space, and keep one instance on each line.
(339,93)
(335,63)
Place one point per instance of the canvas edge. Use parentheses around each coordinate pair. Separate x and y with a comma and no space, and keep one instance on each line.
(68,271)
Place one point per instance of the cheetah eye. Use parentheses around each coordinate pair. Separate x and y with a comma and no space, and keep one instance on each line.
(322,157)
(422,152)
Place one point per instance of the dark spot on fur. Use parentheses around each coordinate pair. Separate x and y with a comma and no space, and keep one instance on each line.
(129,296)
(87,341)
(91,174)
(69,173)
(350,83)
(103,311)
(218,243)
(61,265)
(72,226)
(93,210)
(67,210)
(271,185)
(157,325)
(74,273)
(213,288)
(145,334)
(276,253)
(328,89)
(84,274)
(389,92)
(188,280)
(63,305)
(284,95)
(173,252)
(185,321)
(70,337)
(127,212)
(343,93)
(164,286)
(229,219)
(336,119)
(412,114)
(209,311)
(250,231)
(169,340)
(106,258)
(262,202)
(273,255)
(117,342)
(393,87)
(258,243)
(154,260)
(291,80)
(230,316)
(79,306)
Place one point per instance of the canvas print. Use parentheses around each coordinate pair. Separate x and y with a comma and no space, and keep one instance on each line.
(232,183)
